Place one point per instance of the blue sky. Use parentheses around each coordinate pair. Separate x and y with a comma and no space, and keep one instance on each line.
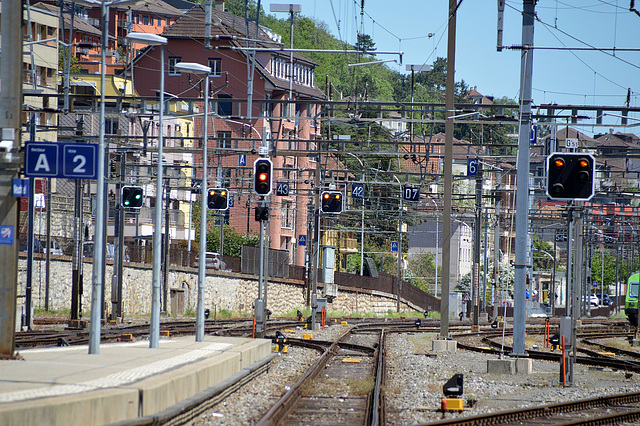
(560,76)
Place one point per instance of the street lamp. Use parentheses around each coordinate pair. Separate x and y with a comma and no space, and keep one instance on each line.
(202,69)
(154,333)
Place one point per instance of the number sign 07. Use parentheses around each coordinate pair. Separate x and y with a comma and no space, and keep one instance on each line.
(411,193)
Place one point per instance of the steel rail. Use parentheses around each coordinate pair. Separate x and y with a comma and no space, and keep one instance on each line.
(529,415)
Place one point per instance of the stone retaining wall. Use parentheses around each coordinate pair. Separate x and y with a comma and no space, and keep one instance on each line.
(224,290)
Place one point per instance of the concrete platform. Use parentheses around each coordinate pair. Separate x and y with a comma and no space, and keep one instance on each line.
(67,386)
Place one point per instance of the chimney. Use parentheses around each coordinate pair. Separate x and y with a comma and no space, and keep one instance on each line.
(220,5)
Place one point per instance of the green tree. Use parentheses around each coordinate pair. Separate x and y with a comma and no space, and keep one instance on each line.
(74,66)
(365,42)
(421,272)
(233,240)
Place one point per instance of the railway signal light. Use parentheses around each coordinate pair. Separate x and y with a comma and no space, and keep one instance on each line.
(218,199)
(331,202)
(262,176)
(131,197)
(262,213)
(570,176)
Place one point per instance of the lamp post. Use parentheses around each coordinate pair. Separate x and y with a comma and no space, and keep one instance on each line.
(98,264)
(203,69)
(154,333)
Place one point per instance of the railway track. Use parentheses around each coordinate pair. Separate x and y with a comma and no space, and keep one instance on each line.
(606,410)
(342,387)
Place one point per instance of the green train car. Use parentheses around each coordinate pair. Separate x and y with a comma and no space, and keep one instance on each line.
(631,299)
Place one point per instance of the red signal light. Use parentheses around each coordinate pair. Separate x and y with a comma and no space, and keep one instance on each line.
(558,162)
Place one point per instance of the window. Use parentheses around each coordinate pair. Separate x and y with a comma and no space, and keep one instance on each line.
(172,65)
(216,67)
(110,126)
(146,19)
(159,21)
(287,214)
(224,139)
(225,108)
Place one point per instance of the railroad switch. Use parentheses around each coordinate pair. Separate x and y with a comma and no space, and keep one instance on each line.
(343,323)
(127,337)
(164,333)
(307,336)
(351,360)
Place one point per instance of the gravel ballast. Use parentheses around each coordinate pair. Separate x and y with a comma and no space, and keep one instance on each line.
(415,377)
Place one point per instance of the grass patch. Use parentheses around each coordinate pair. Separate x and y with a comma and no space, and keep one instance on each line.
(227,314)
(61,312)
(420,342)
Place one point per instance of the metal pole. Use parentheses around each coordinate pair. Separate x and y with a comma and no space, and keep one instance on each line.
(165,249)
(569,289)
(362,229)
(259,307)
(316,242)
(400,250)
(120,244)
(448,171)
(48,245)
(476,251)
(496,253)
(154,332)
(10,127)
(116,288)
(437,239)
(98,263)
(203,221)
(291,73)
(77,255)
(30,237)
(522,191)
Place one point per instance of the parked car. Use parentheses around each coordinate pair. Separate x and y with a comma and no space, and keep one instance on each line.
(214,261)
(88,251)
(37,245)
(606,300)
(55,248)
(593,299)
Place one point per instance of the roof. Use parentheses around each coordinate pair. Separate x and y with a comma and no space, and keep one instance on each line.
(152,7)
(623,140)
(182,5)
(192,26)
(79,24)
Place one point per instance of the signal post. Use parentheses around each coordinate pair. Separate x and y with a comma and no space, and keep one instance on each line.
(262,186)
(570,177)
